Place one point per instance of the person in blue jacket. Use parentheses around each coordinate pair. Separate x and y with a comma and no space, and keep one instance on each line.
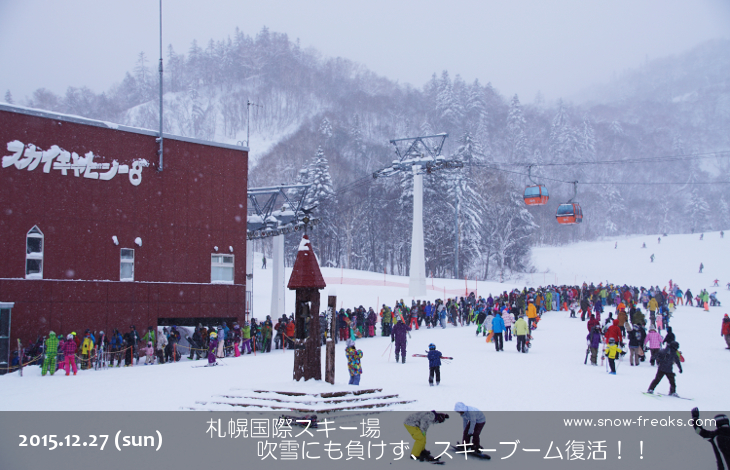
(498,329)
(434,364)
(474,421)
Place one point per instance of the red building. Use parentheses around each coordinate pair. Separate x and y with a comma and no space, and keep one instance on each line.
(93,236)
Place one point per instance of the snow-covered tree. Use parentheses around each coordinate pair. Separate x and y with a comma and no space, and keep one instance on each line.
(8,97)
(516,136)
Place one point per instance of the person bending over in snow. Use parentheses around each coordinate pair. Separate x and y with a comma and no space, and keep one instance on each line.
(719,438)
(474,421)
(667,358)
(417,425)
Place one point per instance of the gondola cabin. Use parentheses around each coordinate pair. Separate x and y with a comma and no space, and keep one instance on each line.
(569,213)
(536,195)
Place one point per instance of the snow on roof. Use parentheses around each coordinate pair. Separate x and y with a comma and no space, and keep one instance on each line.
(11,108)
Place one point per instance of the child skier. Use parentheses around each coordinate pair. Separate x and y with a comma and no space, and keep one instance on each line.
(150,353)
(612,353)
(212,346)
(69,352)
(417,425)
(353,362)
(434,364)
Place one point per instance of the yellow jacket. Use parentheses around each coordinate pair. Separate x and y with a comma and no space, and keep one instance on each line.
(531,311)
(613,351)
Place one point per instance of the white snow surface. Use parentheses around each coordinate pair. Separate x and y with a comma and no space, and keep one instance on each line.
(551,376)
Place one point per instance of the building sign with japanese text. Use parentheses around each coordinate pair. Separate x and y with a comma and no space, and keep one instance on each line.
(29,157)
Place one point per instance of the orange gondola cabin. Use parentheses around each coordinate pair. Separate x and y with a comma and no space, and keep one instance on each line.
(569,213)
(536,195)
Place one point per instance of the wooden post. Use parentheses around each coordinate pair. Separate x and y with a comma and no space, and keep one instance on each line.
(307,355)
(329,368)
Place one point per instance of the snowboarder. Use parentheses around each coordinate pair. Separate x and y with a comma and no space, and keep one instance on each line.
(521,331)
(719,438)
(417,425)
(398,335)
(353,362)
(473,421)
(434,364)
(655,343)
(725,330)
(498,329)
(652,257)
(612,353)
(667,358)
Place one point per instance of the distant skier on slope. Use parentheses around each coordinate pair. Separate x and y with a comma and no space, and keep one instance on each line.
(398,335)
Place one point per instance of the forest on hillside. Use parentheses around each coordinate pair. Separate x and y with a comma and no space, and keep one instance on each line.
(650,151)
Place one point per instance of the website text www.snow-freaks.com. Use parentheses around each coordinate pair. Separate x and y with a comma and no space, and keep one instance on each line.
(639,421)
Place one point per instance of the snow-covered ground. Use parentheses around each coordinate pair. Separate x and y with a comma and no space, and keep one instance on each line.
(551,376)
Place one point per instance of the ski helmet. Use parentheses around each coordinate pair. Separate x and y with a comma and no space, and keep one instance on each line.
(611,341)
(213,335)
(431,346)
(722,420)
(674,345)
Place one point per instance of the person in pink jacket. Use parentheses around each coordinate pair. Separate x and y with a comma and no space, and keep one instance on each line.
(509,319)
(69,353)
(655,343)
(150,353)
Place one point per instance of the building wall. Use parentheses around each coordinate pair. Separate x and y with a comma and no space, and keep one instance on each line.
(180,214)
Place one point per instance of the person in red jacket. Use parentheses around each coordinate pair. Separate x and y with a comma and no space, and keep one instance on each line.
(593,321)
(725,331)
(291,329)
(613,332)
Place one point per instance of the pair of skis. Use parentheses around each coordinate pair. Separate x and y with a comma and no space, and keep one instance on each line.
(426,355)
(657,395)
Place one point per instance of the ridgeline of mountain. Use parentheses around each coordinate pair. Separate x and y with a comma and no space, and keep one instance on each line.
(327,121)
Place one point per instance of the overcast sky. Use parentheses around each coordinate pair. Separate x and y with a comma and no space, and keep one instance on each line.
(521,46)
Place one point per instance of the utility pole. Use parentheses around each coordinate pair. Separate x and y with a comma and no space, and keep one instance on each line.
(419,156)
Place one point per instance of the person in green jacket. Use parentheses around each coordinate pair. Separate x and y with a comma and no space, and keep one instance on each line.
(521,330)
(49,364)
(266,335)
(246,337)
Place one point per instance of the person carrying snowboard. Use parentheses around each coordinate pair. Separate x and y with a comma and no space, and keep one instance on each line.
(417,425)
(473,421)
(434,364)
(667,358)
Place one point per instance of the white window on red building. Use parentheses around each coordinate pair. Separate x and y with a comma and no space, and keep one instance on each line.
(34,254)
(221,269)
(126,265)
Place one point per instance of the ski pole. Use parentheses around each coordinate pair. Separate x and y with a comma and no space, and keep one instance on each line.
(386,349)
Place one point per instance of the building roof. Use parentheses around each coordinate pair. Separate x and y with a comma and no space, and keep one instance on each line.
(110,125)
(306,273)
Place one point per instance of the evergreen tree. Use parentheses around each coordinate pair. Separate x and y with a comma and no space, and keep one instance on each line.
(515,133)
(8,97)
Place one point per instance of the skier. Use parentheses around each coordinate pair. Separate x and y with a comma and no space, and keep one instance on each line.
(719,438)
(434,364)
(353,362)
(246,338)
(474,421)
(162,347)
(666,359)
(655,343)
(49,363)
(498,328)
(521,330)
(594,339)
(149,352)
(398,335)
(725,330)
(417,425)
(212,346)
(652,257)
(636,344)
(263,262)
(612,353)
(702,266)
